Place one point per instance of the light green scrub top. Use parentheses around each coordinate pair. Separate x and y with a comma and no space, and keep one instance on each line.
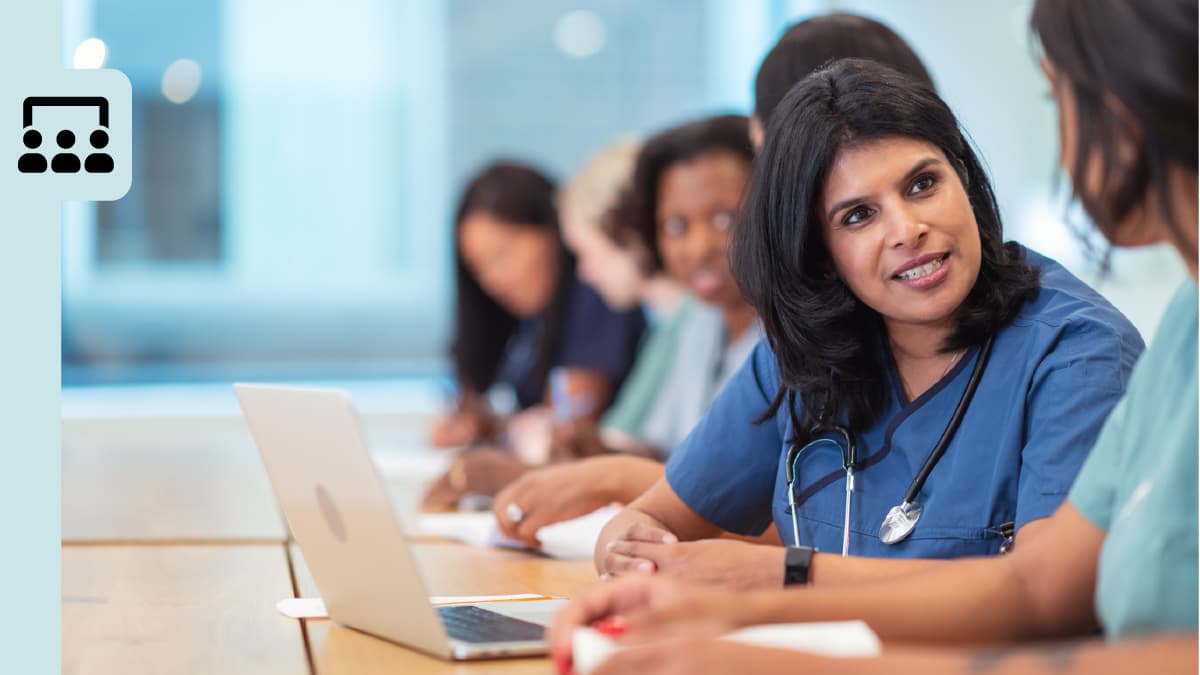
(650,373)
(1139,485)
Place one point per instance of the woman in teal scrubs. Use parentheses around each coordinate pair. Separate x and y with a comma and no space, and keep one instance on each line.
(877,301)
(1121,553)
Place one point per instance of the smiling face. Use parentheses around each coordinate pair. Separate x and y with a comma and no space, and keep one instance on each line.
(697,203)
(516,266)
(900,228)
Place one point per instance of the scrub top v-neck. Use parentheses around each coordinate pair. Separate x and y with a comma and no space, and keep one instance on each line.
(1055,373)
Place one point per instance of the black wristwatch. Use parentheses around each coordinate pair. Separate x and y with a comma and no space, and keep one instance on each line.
(797,564)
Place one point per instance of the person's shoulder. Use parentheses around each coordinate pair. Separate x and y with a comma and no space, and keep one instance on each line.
(1064,302)
(1176,338)
(586,305)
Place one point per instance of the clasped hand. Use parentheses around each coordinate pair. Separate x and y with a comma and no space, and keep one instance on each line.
(729,563)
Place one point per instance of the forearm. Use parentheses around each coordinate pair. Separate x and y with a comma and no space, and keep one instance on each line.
(829,569)
(626,478)
(977,600)
(1168,654)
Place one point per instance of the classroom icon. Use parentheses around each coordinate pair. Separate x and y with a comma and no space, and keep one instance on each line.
(65,159)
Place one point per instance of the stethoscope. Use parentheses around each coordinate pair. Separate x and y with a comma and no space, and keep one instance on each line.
(901,519)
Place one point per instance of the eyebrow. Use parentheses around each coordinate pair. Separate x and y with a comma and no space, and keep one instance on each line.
(916,169)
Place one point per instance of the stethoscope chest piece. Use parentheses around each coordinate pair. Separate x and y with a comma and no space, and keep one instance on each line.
(899,523)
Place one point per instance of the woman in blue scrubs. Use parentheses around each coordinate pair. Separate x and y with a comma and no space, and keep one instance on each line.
(1121,553)
(871,246)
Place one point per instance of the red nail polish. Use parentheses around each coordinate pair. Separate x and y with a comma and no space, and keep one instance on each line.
(562,661)
(611,627)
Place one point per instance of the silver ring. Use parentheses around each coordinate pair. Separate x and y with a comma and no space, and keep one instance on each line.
(514,512)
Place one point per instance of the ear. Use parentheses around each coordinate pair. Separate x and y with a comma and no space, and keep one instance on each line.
(756,133)
(1129,135)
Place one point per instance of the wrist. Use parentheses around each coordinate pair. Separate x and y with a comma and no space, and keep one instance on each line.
(774,562)
(797,567)
(757,607)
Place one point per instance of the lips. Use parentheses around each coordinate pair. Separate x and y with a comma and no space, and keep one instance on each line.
(920,267)
(707,283)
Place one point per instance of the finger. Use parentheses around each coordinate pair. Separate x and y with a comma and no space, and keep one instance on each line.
(649,533)
(654,552)
(671,621)
(618,565)
(526,530)
(440,496)
(597,603)
(509,495)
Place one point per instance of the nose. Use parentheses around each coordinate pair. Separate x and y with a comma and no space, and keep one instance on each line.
(706,243)
(906,228)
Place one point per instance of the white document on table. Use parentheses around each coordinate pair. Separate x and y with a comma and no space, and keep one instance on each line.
(573,539)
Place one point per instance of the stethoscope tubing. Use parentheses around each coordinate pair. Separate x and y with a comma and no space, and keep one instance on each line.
(951,429)
(918,482)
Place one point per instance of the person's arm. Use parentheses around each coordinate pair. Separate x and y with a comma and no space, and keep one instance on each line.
(723,470)
(658,515)
(1176,653)
(576,408)
(471,420)
(749,563)
(1041,590)
(564,491)
(831,569)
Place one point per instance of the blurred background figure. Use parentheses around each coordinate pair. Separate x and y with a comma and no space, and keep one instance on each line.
(678,209)
(521,311)
(523,318)
(619,266)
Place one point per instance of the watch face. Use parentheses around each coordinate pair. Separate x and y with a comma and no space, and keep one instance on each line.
(798,561)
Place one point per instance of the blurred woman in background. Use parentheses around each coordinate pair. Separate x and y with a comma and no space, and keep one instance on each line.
(521,313)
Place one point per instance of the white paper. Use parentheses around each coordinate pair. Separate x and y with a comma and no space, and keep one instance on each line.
(314,608)
(573,539)
(834,638)
(838,638)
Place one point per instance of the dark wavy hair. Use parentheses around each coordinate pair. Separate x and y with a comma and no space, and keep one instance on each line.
(522,197)
(633,217)
(814,42)
(828,344)
(1143,53)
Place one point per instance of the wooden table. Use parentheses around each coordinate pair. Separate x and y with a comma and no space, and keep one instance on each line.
(129,610)
(175,554)
(172,480)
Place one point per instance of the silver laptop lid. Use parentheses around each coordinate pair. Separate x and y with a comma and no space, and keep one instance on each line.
(339,511)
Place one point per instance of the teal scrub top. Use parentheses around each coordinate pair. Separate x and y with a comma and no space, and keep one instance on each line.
(1139,485)
(1055,373)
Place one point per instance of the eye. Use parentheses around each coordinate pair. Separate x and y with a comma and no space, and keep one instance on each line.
(923,183)
(857,215)
(722,221)
(675,226)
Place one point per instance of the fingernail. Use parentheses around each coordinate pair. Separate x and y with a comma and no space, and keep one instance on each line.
(670,539)
(646,566)
(605,577)
(610,545)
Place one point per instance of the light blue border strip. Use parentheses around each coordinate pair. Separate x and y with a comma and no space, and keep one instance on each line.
(30,312)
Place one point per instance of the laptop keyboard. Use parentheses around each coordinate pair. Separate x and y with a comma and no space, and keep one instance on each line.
(475,624)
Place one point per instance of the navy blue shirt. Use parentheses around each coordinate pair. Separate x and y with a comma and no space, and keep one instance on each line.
(593,338)
(1055,373)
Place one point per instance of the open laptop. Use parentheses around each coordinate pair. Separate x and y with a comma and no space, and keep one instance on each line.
(339,511)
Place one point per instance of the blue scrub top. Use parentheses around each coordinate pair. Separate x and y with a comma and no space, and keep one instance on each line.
(1055,373)
(593,338)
